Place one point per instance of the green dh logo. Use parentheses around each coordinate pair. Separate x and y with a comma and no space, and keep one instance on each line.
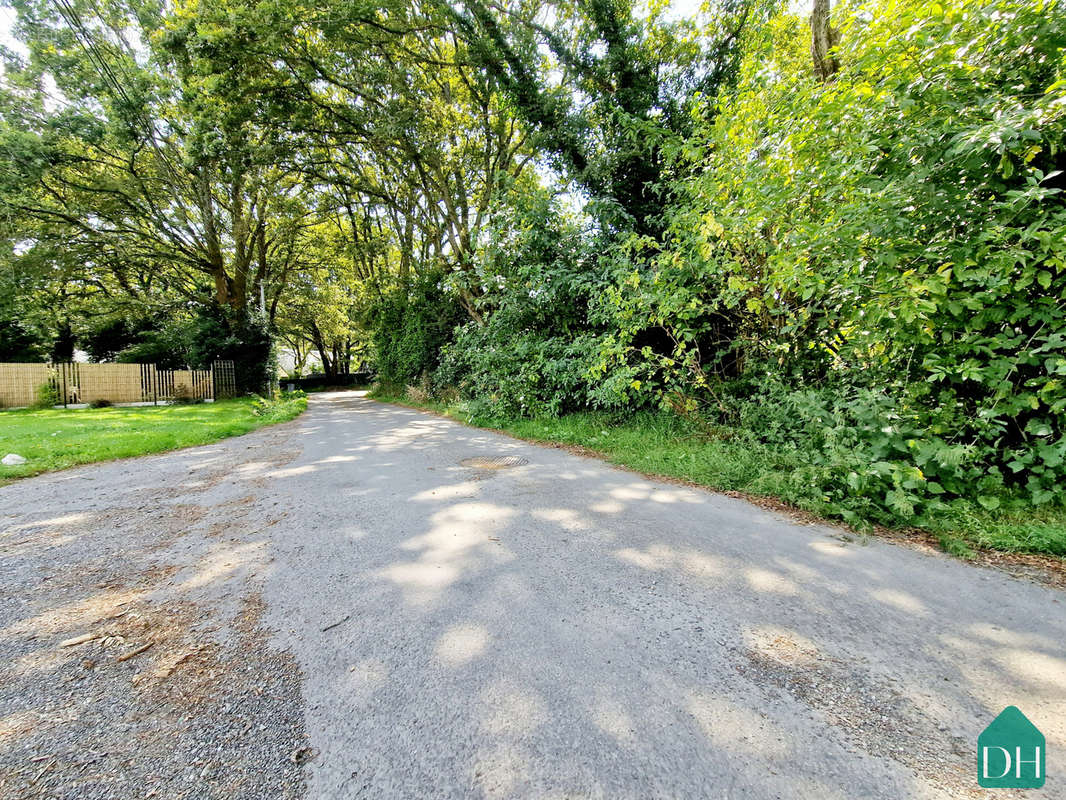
(1011,753)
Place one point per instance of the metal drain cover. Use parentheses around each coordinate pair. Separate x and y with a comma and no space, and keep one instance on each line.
(493,462)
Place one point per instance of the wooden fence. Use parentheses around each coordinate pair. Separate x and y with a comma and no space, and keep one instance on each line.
(20,384)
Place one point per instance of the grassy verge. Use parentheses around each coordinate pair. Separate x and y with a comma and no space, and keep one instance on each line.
(664,444)
(54,439)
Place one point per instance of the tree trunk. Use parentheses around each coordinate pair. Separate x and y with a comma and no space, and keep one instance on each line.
(328,367)
(337,360)
(63,346)
(824,38)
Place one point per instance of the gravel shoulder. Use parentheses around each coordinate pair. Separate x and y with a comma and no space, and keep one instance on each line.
(134,658)
(354,605)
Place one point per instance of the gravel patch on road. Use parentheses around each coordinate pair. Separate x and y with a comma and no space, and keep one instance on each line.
(135,660)
(874,712)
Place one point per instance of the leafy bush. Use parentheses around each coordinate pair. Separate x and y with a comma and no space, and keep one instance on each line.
(871,270)
(47,395)
(261,405)
(241,337)
(286,406)
(534,350)
(411,328)
(519,374)
(863,454)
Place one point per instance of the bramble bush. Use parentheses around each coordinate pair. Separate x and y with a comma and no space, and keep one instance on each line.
(520,374)
(534,350)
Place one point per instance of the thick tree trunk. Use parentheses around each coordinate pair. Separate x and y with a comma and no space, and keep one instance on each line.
(824,38)
(337,370)
(346,361)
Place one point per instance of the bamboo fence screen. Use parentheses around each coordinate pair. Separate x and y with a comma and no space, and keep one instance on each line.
(116,383)
(19,382)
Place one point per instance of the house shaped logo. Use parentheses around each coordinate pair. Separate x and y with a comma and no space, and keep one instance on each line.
(1011,753)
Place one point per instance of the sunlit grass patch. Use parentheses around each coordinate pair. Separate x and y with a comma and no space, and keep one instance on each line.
(52,439)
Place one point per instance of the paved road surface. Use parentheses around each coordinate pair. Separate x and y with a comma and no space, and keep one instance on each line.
(379,620)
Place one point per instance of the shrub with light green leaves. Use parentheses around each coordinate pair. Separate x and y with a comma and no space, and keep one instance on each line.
(873,268)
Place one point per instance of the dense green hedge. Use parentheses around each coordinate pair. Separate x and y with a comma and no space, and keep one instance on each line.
(410,327)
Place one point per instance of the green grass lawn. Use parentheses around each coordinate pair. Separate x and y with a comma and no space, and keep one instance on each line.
(660,443)
(59,438)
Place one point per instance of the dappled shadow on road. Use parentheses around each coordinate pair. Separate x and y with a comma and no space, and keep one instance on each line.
(553,629)
(565,629)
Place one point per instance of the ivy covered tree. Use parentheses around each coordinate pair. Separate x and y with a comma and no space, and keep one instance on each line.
(605,87)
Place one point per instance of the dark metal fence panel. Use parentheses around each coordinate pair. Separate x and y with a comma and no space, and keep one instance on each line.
(67,382)
(149,387)
(224,380)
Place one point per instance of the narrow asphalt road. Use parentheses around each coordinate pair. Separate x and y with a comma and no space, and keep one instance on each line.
(346,606)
